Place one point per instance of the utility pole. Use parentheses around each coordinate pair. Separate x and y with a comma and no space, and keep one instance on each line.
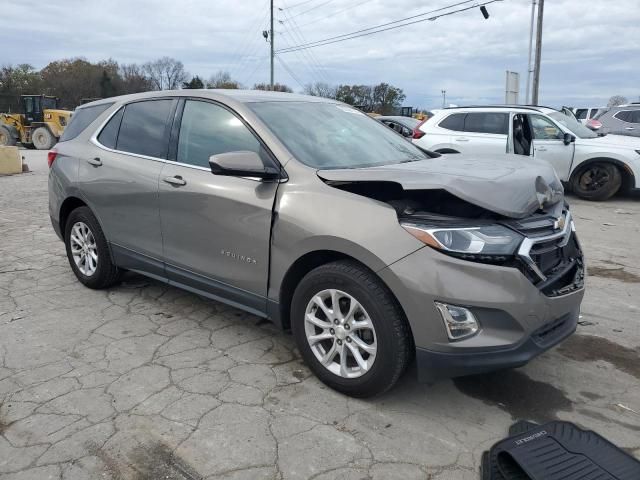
(529,69)
(536,68)
(444,98)
(272,34)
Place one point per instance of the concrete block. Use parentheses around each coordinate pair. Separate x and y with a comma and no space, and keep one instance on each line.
(10,161)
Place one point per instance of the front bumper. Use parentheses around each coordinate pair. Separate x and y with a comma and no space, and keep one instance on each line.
(433,365)
(518,317)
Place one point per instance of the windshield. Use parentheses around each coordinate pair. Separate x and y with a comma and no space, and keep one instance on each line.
(576,127)
(331,135)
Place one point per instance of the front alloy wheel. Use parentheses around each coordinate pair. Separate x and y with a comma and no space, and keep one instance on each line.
(350,329)
(340,333)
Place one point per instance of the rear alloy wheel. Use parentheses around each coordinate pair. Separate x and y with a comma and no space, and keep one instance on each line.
(43,139)
(597,181)
(6,139)
(88,251)
(350,329)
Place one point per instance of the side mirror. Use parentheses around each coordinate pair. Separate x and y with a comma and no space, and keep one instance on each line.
(568,138)
(242,164)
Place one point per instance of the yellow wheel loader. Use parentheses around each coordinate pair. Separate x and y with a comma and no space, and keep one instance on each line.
(39,125)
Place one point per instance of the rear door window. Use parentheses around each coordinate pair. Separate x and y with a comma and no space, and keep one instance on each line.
(81,119)
(487,122)
(145,128)
(208,129)
(454,122)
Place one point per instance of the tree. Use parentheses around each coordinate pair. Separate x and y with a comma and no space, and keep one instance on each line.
(195,82)
(73,79)
(320,89)
(133,79)
(277,87)
(617,100)
(223,80)
(165,73)
(15,81)
(356,95)
(387,98)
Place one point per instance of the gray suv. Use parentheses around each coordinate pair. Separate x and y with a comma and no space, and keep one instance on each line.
(309,213)
(622,120)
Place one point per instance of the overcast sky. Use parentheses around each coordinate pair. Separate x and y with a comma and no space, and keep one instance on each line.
(591,48)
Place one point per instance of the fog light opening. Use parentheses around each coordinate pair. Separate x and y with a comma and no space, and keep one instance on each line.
(458,321)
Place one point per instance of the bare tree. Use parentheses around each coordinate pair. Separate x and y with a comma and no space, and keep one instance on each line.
(223,80)
(133,79)
(277,87)
(165,73)
(617,100)
(320,89)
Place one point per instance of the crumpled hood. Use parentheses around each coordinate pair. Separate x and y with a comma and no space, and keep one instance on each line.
(510,185)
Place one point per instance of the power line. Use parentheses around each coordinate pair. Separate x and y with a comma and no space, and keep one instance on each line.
(315,73)
(366,31)
(298,4)
(307,53)
(312,8)
(289,71)
(333,13)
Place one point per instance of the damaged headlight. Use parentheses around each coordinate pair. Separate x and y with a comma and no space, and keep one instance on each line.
(482,240)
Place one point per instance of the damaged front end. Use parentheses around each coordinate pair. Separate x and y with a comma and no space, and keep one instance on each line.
(536,234)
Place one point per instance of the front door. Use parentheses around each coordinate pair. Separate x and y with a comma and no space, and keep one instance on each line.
(216,229)
(548,144)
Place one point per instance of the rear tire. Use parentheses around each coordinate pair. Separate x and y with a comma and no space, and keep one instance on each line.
(597,181)
(43,139)
(84,238)
(6,139)
(378,332)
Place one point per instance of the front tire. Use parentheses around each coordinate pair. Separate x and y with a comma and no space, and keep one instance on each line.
(88,251)
(350,329)
(6,139)
(597,181)
(43,139)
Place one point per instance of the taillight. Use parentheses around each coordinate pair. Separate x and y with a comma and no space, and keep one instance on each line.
(417,133)
(594,124)
(51,157)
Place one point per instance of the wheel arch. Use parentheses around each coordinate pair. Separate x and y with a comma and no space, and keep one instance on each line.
(68,205)
(628,177)
(304,265)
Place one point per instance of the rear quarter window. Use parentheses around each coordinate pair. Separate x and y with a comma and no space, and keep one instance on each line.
(81,119)
(454,122)
(144,129)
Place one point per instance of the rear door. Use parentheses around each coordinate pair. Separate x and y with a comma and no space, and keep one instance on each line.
(216,229)
(548,144)
(625,122)
(485,133)
(119,177)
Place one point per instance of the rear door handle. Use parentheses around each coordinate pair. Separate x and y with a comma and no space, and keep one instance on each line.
(176,181)
(628,128)
(96,162)
(541,149)
(462,139)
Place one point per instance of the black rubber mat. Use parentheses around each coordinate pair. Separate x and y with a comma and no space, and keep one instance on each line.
(557,451)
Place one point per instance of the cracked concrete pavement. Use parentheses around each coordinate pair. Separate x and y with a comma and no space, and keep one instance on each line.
(145,381)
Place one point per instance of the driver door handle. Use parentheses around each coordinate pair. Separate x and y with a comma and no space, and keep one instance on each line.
(176,181)
(462,139)
(541,149)
(96,162)
(628,128)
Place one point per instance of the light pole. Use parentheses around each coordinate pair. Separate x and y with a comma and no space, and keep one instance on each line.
(271,38)
(529,69)
(536,68)
(444,98)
